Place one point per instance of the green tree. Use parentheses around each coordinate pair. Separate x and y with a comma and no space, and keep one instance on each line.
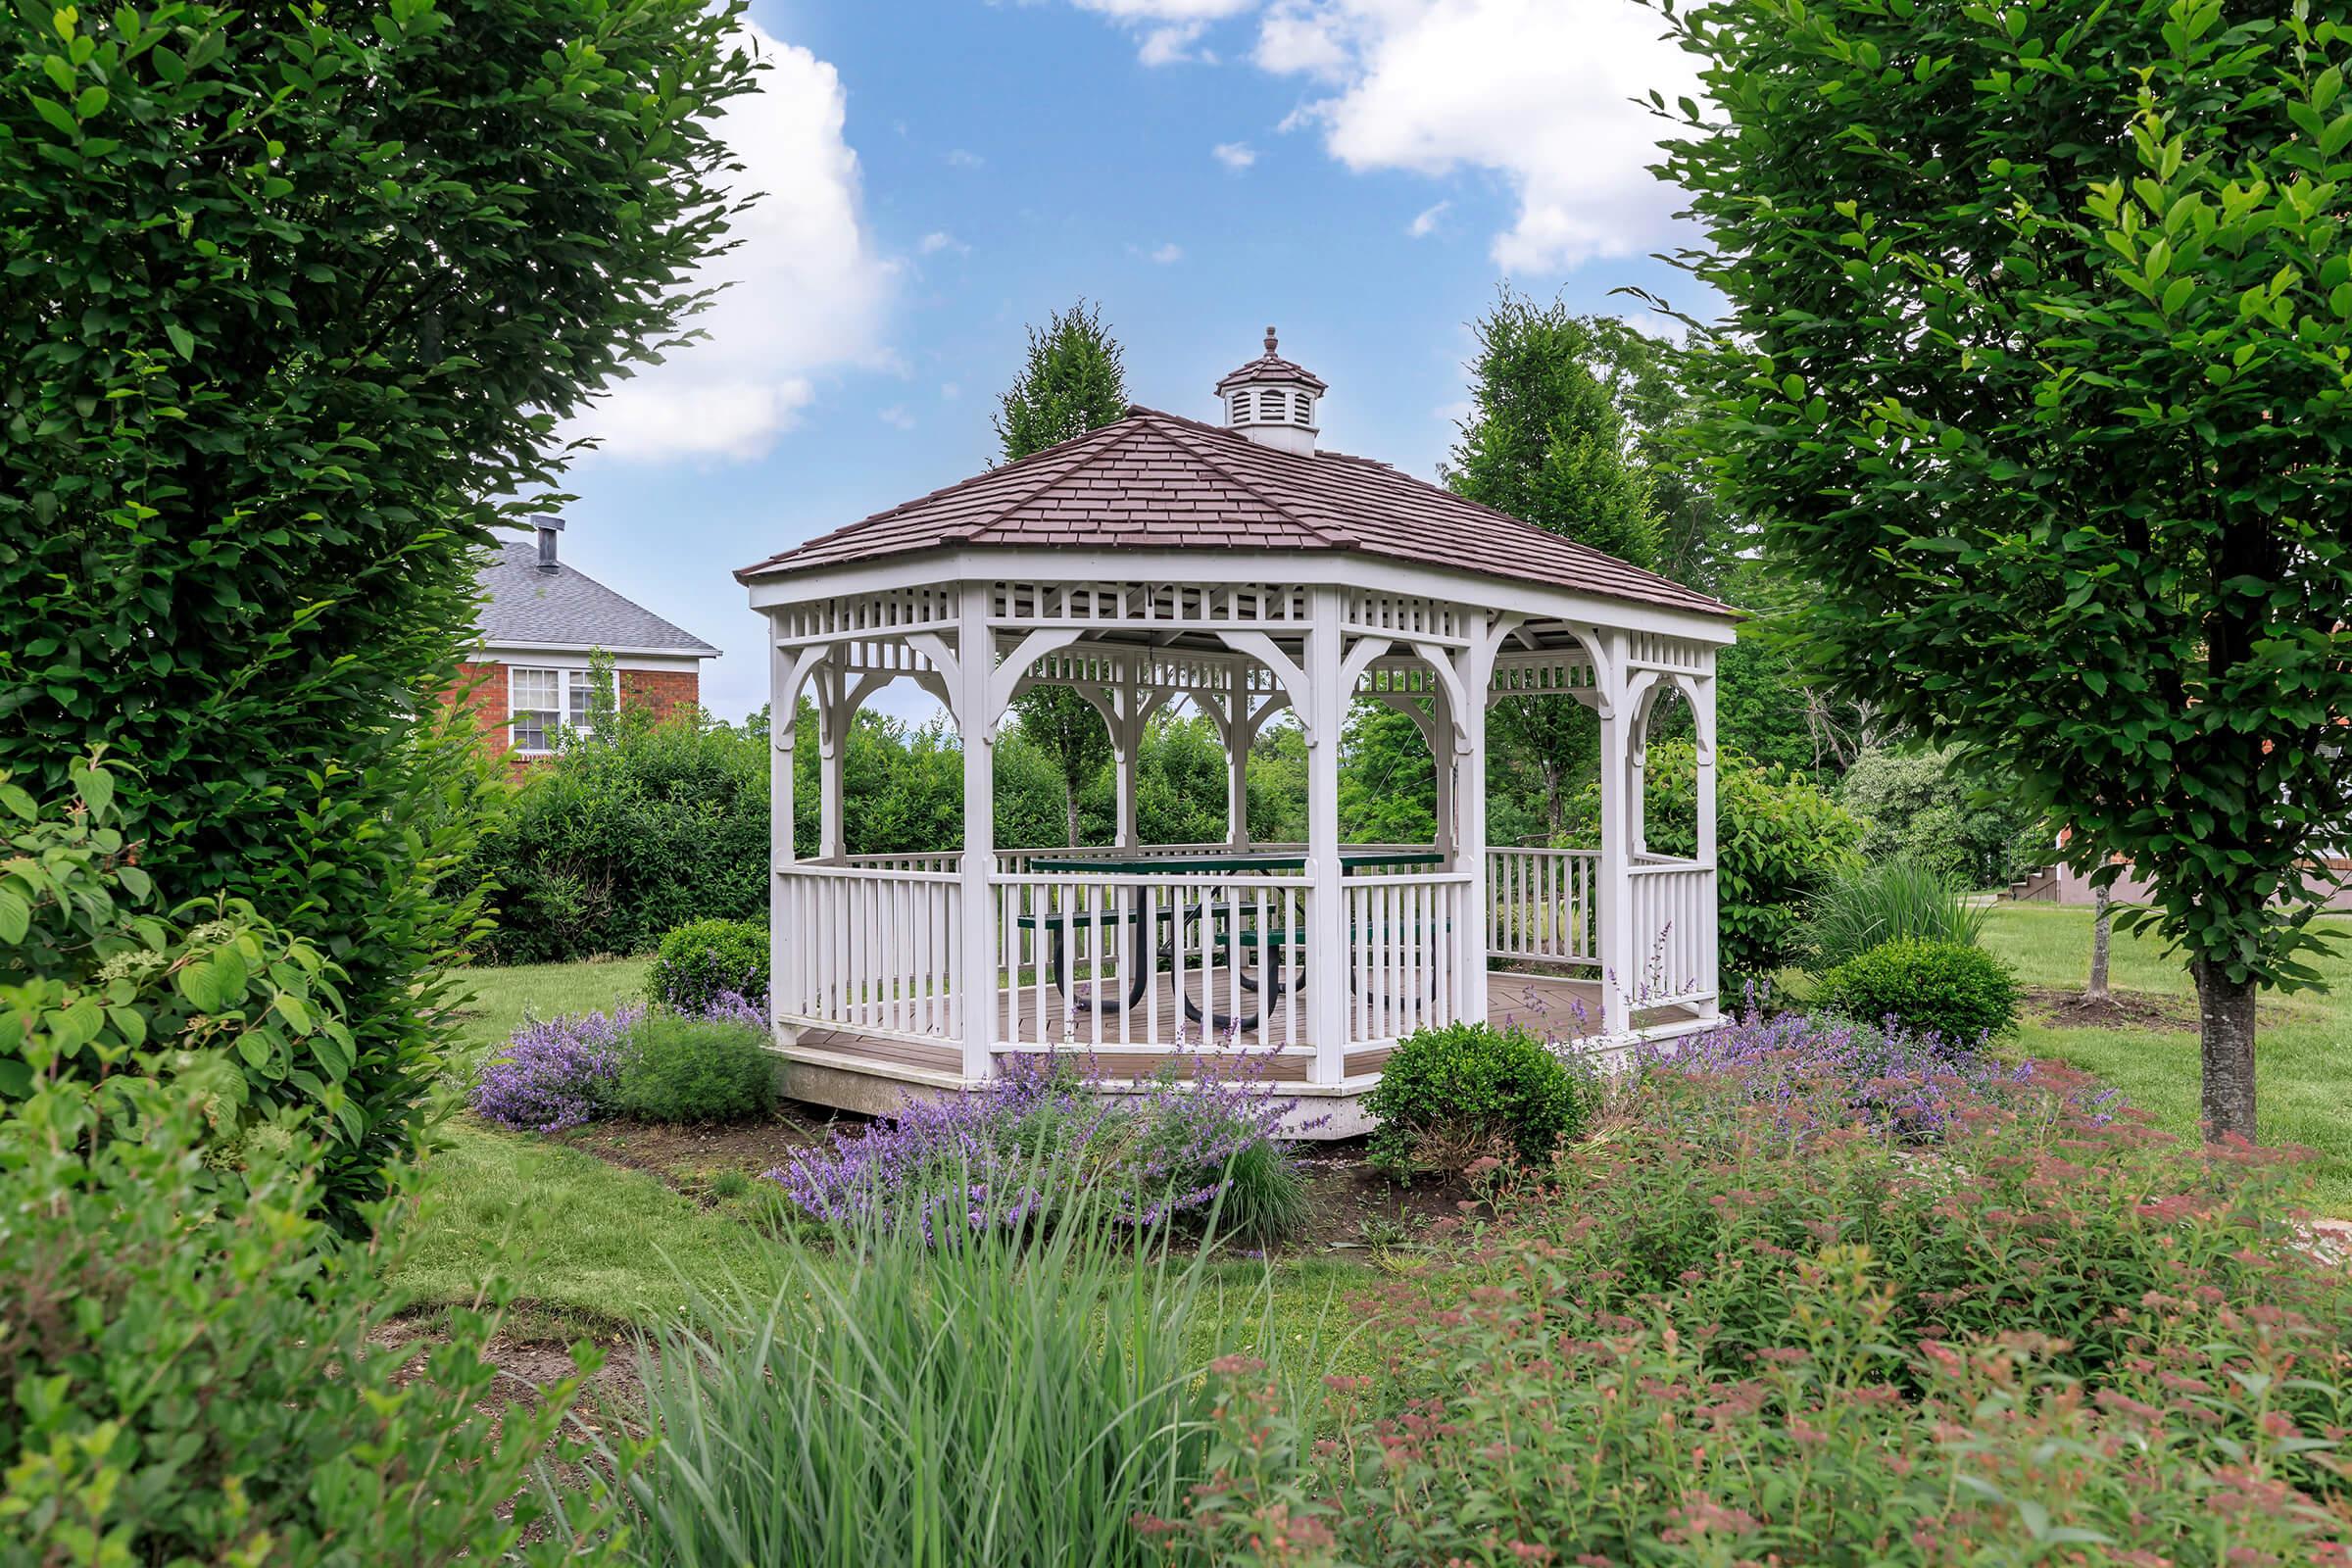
(292,298)
(1546,442)
(2035,367)
(1074,382)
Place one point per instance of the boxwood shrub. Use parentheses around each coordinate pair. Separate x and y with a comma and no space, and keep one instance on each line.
(680,1069)
(1958,991)
(1448,1097)
(703,960)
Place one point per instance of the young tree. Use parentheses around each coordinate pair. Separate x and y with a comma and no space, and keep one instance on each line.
(2035,366)
(1547,443)
(1072,383)
(292,298)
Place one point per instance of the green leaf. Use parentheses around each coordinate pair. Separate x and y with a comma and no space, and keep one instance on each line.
(16,916)
(198,984)
(91,102)
(182,338)
(57,116)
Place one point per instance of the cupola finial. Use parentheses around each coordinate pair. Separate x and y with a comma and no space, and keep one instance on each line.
(1272,400)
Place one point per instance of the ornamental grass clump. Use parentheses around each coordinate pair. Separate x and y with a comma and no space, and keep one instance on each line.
(908,1392)
(1146,1155)
(1755,1329)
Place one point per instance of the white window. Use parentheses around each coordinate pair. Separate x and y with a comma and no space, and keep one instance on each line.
(1304,406)
(534,700)
(539,700)
(579,683)
(1270,405)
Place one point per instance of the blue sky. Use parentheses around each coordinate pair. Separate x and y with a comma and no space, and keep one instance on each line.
(1361,173)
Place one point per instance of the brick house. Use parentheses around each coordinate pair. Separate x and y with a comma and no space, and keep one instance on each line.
(528,677)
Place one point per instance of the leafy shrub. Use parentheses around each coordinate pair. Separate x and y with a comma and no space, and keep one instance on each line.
(682,1069)
(242,502)
(1778,840)
(257,1017)
(1003,1400)
(1448,1097)
(1167,1152)
(1946,810)
(1962,994)
(191,1374)
(1885,903)
(703,960)
(1747,1329)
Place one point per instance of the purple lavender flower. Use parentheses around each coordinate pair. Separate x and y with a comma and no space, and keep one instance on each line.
(999,1156)
(555,1072)
(1895,1084)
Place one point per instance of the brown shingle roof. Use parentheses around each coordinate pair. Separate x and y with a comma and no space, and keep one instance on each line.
(1157,482)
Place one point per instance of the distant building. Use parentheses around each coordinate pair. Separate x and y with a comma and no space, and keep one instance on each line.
(528,677)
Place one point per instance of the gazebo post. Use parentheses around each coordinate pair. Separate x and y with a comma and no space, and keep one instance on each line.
(1467,769)
(1330,956)
(783,710)
(1615,934)
(833,756)
(976,720)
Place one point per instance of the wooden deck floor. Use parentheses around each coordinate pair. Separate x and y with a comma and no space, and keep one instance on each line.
(1556,1006)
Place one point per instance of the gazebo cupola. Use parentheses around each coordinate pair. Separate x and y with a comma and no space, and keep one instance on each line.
(1272,400)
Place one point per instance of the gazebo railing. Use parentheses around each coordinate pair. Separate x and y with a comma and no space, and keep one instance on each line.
(874,951)
(1672,906)
(1409,937)
(1542,906)
(1136,962)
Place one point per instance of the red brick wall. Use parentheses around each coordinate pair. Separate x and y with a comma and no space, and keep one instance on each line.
(483,687)
(660,690)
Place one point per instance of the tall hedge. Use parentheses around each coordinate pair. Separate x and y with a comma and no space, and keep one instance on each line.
(292,298)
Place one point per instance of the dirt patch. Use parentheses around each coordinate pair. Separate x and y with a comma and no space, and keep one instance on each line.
(2125,1010)
(1351,1206)
(696,1159)
(2117,1009)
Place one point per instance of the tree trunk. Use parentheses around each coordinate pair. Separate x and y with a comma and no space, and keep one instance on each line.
(2226,1043)
(2102,925)
(1069,796)
(1555,806)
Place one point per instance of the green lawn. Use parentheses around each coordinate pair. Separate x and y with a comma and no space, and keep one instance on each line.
(2303,1050)
(596,1248)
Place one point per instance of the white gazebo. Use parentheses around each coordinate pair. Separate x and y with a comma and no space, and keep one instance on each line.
(1237,569)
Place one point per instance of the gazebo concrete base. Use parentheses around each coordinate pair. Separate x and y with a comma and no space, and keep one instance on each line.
(875,1075)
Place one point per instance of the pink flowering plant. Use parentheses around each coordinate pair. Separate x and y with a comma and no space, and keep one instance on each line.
(1744,1327)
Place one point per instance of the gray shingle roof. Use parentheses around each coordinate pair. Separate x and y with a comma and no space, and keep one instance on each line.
(569,609)
(1153,480)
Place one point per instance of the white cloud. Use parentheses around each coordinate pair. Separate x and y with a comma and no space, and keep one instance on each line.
(1425,223)
(938,241)
(949,391)
(1234,155)
(1166,254)
(897,417)
(1170,29)
(802,242)
(959,158)
(1537,90)
(1172,45)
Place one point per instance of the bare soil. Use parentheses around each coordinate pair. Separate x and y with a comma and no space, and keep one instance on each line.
(2121,1009)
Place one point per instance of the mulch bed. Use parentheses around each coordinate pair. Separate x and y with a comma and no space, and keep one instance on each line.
(1352,1205)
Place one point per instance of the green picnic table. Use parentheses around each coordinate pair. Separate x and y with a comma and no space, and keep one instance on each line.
(1146,963)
